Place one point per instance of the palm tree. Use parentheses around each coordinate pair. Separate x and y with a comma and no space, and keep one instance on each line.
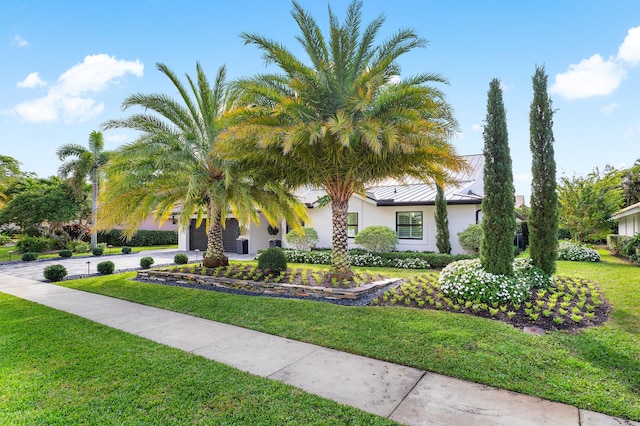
(175,162)
(346,120)
(82,163)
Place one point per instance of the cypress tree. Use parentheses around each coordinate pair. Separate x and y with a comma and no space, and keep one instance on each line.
(498,204)
(543,222)
(442,222)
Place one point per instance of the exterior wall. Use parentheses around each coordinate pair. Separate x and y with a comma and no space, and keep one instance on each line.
(460,217)
(150,225)
(629,225)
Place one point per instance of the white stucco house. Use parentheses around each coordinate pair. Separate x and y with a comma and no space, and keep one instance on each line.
(408,207)
(628,220)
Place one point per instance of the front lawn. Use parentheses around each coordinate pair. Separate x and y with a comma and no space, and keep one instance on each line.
(56,368)
(596,369)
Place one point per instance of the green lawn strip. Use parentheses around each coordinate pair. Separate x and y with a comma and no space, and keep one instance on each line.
(56,368)
(4,252)
(598,369)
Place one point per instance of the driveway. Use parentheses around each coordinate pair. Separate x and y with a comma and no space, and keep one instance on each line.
(88,265)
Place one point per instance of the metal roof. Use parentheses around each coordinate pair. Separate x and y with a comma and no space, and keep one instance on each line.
(411,191)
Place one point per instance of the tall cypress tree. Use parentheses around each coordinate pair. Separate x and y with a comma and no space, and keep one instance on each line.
(498,204)
(543,222)
(442,222)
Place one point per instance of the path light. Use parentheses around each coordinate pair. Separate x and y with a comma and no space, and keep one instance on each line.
(10,252)
(88,265)
(197,251)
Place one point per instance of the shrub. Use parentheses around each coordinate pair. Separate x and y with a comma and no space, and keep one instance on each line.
(55,272)
(617,243)
(33,244)
(78,246)
(180,259)
(366,259)
(467,280)
(146,262)
(632,246)
(106,267)
(306,241)
(32,231)
(272,260)
(29,256)
(75,231)
(126,249)
(4,239)
(377,238)
(97,251)
(65,253)
(471,238)
(568,250)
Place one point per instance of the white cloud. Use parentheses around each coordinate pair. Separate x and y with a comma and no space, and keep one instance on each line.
(19,41)
(591,77)
(69,97)
(476,127)
(630,48)
(33,80)
(609,109)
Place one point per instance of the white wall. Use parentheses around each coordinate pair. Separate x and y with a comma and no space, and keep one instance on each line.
(460,217)
(629,225)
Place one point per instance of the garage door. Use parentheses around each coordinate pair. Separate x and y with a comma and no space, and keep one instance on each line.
(198,236)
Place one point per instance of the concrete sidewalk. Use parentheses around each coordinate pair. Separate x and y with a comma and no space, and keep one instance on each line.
(403,394)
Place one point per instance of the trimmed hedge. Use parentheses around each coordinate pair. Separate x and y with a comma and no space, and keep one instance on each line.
(106,267)
(97,251)
(618,243)
(180,259)
(29,256)
(55,272)
(272,260)
(65,253)
(140,238)
(360,257)
(146,262)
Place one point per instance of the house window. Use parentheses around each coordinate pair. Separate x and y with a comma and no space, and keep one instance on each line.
(352,224)
(409,225)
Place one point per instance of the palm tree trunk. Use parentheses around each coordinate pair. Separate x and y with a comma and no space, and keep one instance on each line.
(94,209)
(340,266)
(214,256)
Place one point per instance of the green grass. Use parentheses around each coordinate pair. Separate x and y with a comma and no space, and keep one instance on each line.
(56,368)
(597,369)
(4,252)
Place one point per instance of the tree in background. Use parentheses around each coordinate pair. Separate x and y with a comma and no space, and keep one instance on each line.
(342,119)
(442,222)
(83,163)
(36,201)
(498,204)
(631,184)
(543,222)
(9,173)
(586,204)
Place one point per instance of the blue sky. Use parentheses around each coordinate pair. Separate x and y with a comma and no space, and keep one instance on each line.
(67,66)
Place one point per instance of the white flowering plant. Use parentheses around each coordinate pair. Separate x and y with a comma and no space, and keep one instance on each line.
(568,250)
(467,280)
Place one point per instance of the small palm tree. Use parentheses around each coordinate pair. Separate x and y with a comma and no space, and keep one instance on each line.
(176,163)
(346,120)
(85,163)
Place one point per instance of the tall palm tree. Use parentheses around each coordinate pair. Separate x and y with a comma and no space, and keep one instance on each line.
(175,162)
(346,120)
(83,163)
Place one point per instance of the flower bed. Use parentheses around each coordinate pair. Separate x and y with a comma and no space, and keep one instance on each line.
(568,250)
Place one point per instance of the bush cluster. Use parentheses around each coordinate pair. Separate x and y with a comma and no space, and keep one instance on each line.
(115,238)
(360,257)
(106,267)
(55,273)
(377,239)
(272,260)
(467,280)
(471,238)
(568,250)
(306,241)
(4,239)
(180,259)
(78,246)
(34,244)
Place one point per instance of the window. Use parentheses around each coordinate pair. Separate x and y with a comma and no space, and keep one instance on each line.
(409,225)
(352,224)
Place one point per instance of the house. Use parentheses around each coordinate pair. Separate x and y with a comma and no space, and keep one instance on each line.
(405,206)
(628,220)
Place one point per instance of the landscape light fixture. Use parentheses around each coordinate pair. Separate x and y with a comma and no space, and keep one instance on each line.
(197,251)
(10,252)
(88,265)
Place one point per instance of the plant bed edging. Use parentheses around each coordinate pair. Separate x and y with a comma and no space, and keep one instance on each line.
(267,288)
